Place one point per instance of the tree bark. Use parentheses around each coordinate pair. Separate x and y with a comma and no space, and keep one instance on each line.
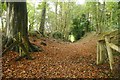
(17,23)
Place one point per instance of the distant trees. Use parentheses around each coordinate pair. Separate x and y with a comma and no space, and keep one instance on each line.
(56,17)
(2,15)
(99,16)
(80,26)
(43,15)
(31,9)
(60,17)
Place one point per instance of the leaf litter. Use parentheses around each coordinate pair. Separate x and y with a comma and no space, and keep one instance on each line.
(59,59)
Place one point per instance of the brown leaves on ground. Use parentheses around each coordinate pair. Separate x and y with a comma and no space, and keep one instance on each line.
(59,59)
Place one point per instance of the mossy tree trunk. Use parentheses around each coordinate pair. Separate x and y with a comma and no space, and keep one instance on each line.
(17,23)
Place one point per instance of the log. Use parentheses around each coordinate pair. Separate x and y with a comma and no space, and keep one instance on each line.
(113,46)
(110,34)
(98,53)
(102,52)
(109,50)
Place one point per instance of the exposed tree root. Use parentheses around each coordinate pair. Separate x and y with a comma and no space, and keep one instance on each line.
(12,43)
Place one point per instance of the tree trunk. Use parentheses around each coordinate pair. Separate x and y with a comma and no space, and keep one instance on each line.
(56,5)
(61,17)
(17,23)
(41,29)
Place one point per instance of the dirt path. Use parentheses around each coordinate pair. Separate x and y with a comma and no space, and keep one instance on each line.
(59,59)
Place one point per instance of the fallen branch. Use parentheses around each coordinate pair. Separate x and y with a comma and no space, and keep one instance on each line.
(113,46)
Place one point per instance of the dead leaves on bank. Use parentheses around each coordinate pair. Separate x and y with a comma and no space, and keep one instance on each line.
(58,60)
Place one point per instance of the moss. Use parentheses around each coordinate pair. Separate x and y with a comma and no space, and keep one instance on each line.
(112,34)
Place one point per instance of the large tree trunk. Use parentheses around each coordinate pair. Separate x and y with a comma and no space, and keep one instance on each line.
(17,23)
(41,29)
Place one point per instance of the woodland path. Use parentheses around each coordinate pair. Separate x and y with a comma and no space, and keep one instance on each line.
(59,59)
